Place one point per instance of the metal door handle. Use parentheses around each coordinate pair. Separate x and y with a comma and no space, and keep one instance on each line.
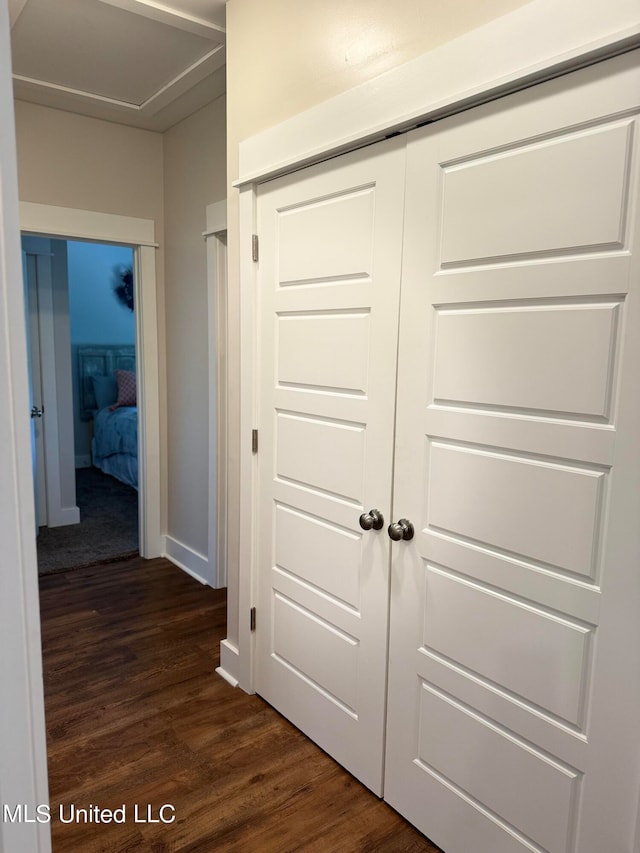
(402,529)
(372,519)
(36,412)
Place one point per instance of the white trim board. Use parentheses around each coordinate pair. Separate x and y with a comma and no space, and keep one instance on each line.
(544,38)
(216,218)
(185,558)
(140,233)
(86,224)
(215,237)
(228,662)
(165,14)
(241,583)
(23,749)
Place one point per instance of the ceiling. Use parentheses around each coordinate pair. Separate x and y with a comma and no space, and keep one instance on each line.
(137,62)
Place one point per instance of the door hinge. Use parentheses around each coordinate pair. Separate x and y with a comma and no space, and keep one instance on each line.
(254,247)
(254,440)
(252,619)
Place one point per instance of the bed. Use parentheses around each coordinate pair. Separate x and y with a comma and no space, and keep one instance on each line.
(108,397)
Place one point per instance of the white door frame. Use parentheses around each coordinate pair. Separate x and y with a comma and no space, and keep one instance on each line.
(68,223)
(551,38)
(34,361)
(23,749)
(216,240)
(54,344)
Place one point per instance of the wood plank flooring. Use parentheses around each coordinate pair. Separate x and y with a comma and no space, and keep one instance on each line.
(136,715)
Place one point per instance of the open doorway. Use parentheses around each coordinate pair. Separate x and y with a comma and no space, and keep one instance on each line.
(93,352)
(61,224)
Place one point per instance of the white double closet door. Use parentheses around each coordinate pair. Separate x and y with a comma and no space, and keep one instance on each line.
(449,333)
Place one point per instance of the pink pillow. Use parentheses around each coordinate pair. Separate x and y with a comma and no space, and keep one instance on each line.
(126,389)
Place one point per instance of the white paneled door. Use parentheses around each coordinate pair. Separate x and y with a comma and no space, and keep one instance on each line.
(514,654)
(511,442)
(330,252)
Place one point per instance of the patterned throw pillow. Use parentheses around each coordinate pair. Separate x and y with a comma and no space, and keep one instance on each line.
(126,389)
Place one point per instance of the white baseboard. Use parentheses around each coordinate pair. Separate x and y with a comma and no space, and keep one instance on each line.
(229,658)
(83,461)
(190,561)
(64,515)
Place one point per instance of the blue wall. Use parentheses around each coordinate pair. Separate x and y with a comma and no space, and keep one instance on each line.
(96,316)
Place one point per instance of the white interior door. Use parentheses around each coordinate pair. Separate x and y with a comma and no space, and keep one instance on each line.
(514,677)
(50,370)
(329,277)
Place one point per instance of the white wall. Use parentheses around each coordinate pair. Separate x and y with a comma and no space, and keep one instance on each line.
(194,176)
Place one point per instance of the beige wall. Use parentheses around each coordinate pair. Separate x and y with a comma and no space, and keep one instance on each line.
(286,56)
(75,161)
(194,176)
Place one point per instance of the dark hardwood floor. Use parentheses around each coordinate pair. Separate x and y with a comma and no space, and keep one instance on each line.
(136,715)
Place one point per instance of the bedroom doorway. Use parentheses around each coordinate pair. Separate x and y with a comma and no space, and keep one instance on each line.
(93,288)
(137,237)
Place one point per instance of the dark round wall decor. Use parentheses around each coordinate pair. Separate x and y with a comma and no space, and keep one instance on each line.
(123,285)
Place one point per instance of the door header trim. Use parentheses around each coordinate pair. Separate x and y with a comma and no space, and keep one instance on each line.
(86,224)
(75,224)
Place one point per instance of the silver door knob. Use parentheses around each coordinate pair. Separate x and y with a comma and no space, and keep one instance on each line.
(373,519)
(36,412)
(402,529)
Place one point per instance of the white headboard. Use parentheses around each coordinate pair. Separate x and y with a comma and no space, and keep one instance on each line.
(100,360)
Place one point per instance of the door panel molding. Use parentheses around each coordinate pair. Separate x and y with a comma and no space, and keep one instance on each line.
(333,235)
(518,608)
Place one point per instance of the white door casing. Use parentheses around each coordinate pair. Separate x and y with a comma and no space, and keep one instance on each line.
(140,234)
(216,240)
(23,757)
(514,676)
(329,275)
